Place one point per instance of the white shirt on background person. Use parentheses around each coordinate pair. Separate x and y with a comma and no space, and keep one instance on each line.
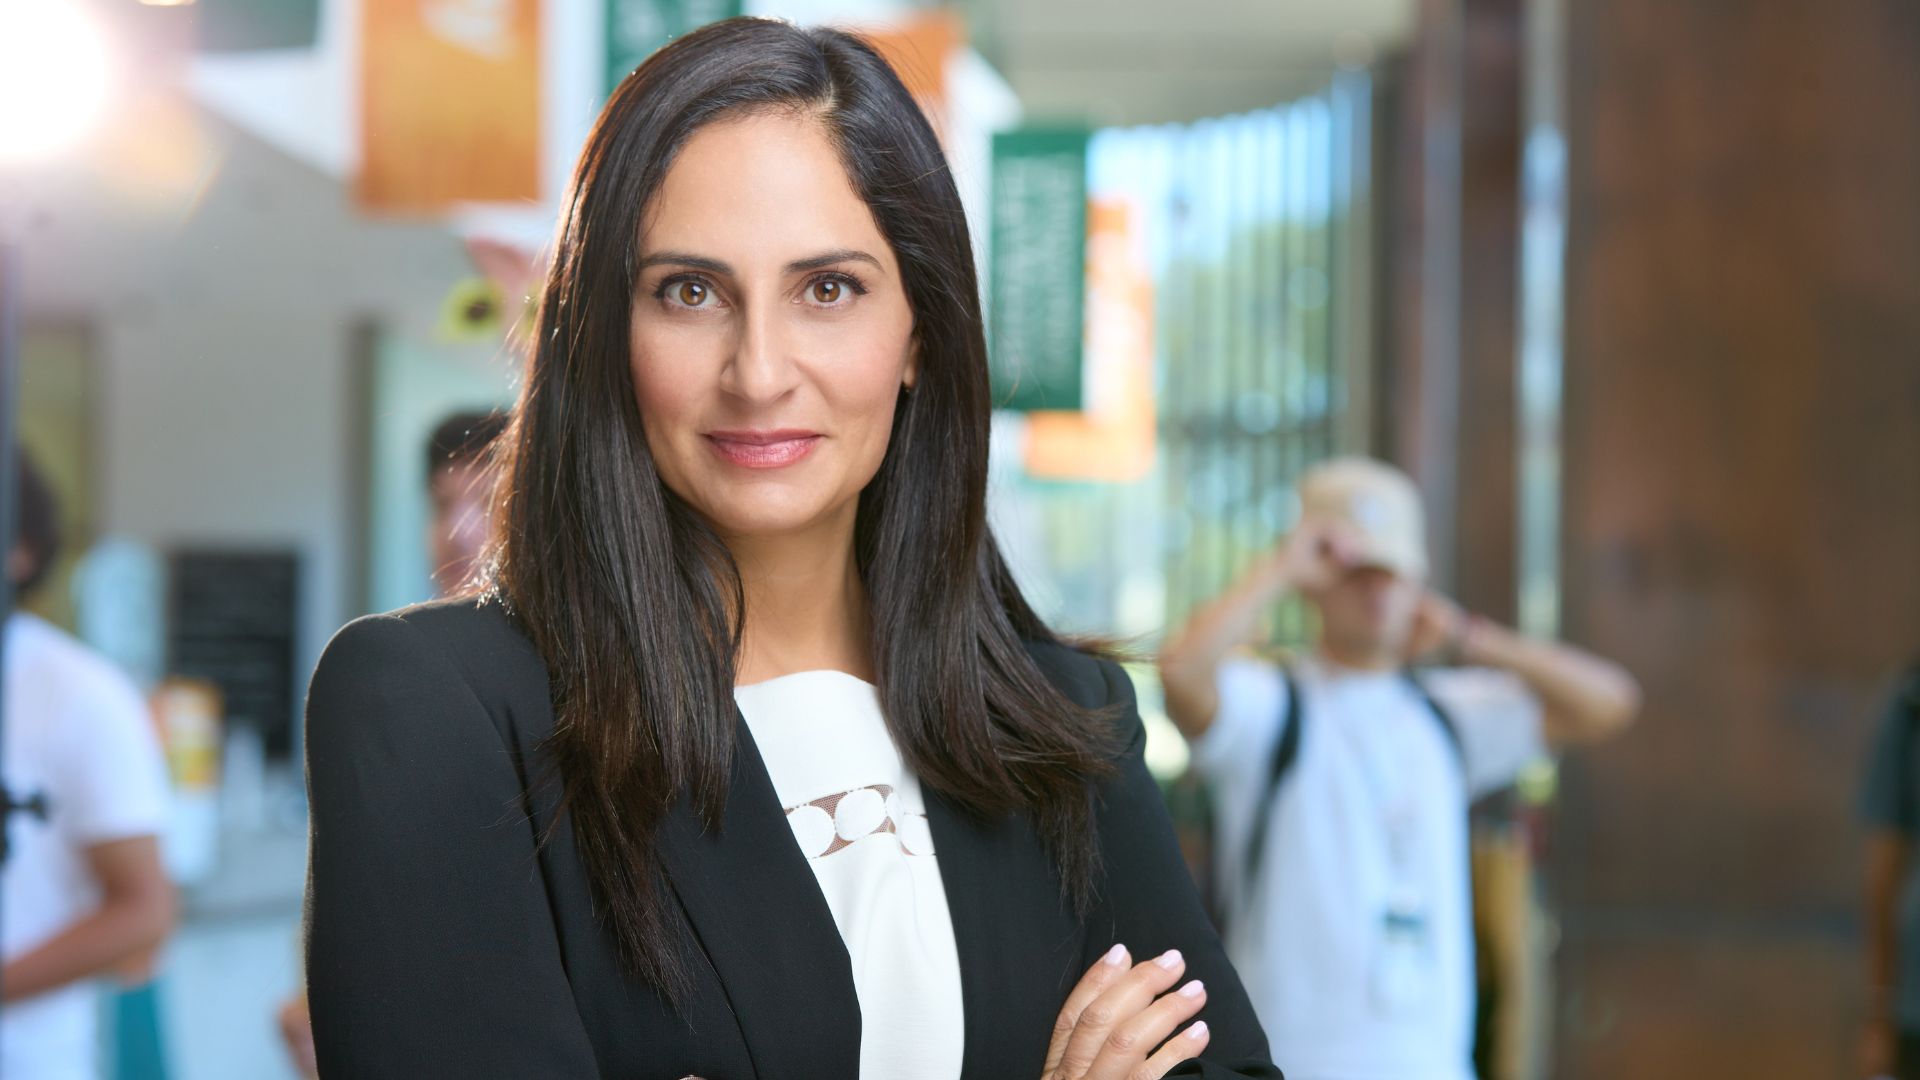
(1340,996)
(78,735)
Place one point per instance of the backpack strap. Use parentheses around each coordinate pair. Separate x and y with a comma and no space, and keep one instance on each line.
(1482,1007)
(1441,714)
(1285,750)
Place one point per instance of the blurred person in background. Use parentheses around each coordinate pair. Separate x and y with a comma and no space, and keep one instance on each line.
(1890,804)
(1342,780)
(82,893)
(459,489)
(459,482)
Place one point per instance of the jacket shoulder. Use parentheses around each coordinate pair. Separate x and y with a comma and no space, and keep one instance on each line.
(465,621)
(1088,680)
(473,637)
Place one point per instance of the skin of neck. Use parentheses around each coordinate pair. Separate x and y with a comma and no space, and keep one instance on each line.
(806,604)
(1358,650)
(1357,657)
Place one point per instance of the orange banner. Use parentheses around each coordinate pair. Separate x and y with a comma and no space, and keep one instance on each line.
(1113,439)
(449,103)
(917,48)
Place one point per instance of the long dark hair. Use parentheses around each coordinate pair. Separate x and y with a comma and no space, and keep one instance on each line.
(36,524)
(635,603)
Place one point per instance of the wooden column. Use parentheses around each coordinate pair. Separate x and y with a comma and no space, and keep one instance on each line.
(1742,509)
(1448,379)
(1485,526)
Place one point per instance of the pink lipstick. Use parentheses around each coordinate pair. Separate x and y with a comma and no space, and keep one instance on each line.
(763,449)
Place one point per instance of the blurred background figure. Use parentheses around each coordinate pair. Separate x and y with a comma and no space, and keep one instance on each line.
(83,895)
(1890,803)
(1342,777)
(460,484)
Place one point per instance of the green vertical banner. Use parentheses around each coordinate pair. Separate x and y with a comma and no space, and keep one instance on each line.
(1038,267)
(635,28)
(247,25)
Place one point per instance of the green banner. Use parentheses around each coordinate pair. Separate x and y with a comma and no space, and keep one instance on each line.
(245,25)
(635,28)
(1038,267)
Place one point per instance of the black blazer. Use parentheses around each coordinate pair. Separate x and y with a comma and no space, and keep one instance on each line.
(444,941)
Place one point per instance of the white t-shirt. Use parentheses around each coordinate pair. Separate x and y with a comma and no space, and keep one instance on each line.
(1356,942)
(859,819)
(77,734)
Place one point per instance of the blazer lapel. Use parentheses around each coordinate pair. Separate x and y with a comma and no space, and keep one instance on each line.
(1018,941)
(764,924)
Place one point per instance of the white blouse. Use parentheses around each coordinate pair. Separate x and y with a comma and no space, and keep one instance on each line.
(857,814)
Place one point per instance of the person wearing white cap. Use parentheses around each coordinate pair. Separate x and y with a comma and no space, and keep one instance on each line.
(1341,780)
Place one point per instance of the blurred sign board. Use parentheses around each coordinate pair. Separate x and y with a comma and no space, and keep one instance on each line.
(449,104)
(472,313)
(635,28)
(231,623)
(1111,438)
(245,25)
(1038,261)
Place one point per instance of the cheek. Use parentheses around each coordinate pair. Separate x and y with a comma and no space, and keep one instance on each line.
(1354,606)
(1396,611)
(1361,606)
(861,381)
(862,377)
(470,517)
(669,372)
(1406,599)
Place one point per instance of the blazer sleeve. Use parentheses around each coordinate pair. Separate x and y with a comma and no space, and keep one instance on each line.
(431,950)
(1155,907)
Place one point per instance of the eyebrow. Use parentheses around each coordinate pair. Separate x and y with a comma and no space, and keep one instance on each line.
(798,266)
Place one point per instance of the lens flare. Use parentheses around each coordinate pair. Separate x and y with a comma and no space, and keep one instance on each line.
(54,77)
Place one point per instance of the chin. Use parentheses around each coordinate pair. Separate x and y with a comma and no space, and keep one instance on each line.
(760,509)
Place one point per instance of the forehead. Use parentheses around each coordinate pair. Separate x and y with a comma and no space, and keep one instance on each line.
(766,187)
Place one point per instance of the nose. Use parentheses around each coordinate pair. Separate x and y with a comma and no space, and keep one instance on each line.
(762,369)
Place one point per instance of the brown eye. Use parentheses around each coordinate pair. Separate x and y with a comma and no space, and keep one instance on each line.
(828,291)
(690,293)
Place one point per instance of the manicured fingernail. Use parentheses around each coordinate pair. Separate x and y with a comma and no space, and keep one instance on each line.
(1193,989)
(1198,1031)
(1115,956)
(1169,959)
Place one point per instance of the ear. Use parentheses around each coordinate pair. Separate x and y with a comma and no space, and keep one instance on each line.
(912,374)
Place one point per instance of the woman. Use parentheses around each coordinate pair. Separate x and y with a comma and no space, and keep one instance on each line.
(752,762)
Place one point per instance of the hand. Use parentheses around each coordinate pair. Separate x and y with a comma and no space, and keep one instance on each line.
(296,1030)
(1314,555)
(1877,1043)
(1117,1015)
(1438,623)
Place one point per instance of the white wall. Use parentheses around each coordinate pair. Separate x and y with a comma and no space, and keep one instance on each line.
(229,429)
(224,327)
